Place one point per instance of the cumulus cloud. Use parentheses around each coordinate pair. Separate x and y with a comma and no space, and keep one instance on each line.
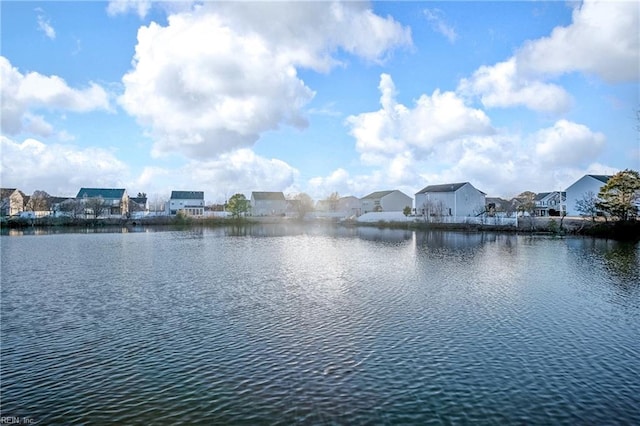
(240,171)
(218,76)
(502,85)
(567,144)
(602,39)
(434,120)
(58,169)
(24,93)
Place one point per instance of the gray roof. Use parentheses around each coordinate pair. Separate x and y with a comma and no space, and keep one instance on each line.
(447,187)
(276,196)
(138,200)
(601,178)
(376,195)
(113,193)
(187,195)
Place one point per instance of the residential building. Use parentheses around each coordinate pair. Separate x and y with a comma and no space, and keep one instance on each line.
(496,206)
(550,203)
(350,205)
(138,206)
(116,200)
(385,201)
(586,186)
(12,201)
(268,203)
(451,199)
(190,203)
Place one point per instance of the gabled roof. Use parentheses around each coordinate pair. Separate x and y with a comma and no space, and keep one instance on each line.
(541,195)
(601,178)
(376,195)
(113,193)
(275,196)
(138,200)
(447,187)
(6,192)
(187,195)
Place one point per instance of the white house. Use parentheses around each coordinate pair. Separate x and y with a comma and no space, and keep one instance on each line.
(350,205)
(385,201)
(588,184)
(12,201)
(268,204)
(451,199)
(550,203)
(190,203)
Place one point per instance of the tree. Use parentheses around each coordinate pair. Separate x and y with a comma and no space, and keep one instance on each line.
(238,205)
(97,206)
(72,208)
(406,211)
(587,205)
(39,201)
(619,197)
(527,203)
(304,204)
(333,200)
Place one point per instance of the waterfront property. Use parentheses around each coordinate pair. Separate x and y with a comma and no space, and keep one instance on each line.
(190,203)
(550,203)
(112,202)
(385,201)
(451,199)
(264,203)
(586,186)
(12,201)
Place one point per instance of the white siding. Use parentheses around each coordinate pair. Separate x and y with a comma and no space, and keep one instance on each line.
(579,189)
(395,202)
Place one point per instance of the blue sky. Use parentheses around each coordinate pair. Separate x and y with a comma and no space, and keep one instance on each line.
(316,97)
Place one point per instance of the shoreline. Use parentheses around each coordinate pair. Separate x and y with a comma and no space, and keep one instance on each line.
(622,231)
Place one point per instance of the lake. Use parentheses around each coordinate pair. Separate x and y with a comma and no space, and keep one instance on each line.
(281,324)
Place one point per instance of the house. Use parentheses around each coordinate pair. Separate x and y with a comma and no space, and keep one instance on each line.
(268,203)
(114,200)
(138,206)
(12,201)
(550,203)
(385,201)
(190,203)
(350,205)
(586,186)
(496,206)
(451,199)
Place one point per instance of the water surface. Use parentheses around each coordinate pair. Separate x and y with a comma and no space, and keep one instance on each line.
(281,324)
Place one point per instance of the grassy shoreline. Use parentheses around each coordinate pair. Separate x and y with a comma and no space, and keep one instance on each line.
(626,231)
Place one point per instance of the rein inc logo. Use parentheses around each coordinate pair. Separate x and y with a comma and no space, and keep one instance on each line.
(14,420)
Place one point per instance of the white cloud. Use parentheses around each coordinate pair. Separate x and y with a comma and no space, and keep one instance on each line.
(602,39)
(567,143)
(434,120)
(240,171)
(217,77)
(58,169)
(44,25)
(438,24)
(117,7)
(24,93)
(502,85)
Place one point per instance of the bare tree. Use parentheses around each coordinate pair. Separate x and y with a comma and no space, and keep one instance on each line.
(97,206)
(39,201)
(72,208)
(587,206)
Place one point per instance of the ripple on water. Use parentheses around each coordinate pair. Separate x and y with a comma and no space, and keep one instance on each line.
(315,328)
